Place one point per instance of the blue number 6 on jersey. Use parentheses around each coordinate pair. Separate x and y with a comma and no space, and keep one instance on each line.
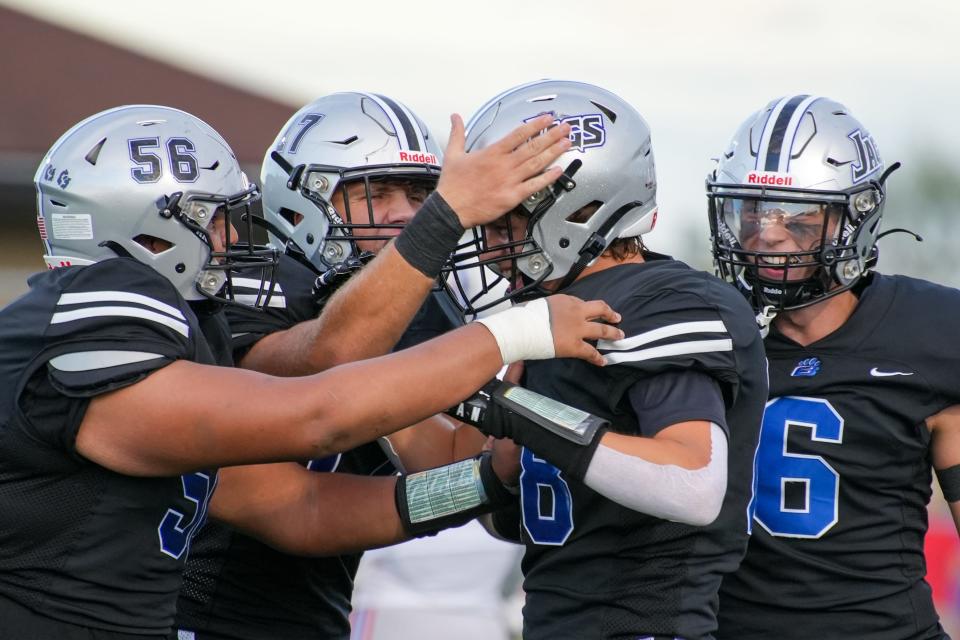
(544,526)
(177,528)
(818,483)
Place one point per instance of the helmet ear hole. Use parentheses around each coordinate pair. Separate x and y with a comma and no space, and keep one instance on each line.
(584,213)
(292,217)
(153,244)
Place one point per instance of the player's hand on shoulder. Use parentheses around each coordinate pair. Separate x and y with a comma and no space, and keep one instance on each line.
(576,323)
(482,185)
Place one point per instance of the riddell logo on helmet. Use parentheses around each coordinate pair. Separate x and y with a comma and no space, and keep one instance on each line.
(770,178)
(418,156)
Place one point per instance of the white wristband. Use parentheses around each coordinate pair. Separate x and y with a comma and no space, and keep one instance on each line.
(522,332)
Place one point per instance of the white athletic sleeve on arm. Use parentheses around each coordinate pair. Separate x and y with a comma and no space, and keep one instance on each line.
(691,496)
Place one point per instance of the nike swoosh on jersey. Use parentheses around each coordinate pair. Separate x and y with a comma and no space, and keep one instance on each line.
(883,374)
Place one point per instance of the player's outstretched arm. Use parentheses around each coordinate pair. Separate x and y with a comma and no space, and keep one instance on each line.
(474,188)
(945,448)
(307,512)
(432,442)
(316,513)
(188,416)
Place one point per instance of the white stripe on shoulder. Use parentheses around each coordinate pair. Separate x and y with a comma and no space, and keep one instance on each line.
(256,284)
(126,312)
(92,360)
(250,299)
(675,349)
(119,296)
(681,328)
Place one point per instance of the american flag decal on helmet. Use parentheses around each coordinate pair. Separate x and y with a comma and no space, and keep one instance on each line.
(42,227)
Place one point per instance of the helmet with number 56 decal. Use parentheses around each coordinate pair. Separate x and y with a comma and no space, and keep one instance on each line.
(154,184)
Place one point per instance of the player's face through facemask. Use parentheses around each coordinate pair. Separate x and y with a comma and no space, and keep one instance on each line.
(375,211)
(222,234)
(784,237)
(503,241)
(216,233)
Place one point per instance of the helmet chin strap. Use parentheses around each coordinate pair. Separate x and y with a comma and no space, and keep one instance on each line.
(595,245)
(765,319)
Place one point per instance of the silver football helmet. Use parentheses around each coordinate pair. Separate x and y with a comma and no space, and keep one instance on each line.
(147,182)
(607,191)
(795,203)
(333,142)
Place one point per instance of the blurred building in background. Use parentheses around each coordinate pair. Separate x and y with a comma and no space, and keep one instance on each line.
(54,77)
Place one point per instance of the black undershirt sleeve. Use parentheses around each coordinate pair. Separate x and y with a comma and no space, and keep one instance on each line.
(677,396)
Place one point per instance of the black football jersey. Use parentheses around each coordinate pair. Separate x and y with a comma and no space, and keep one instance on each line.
(593,568)
(239,588)
(86,552)
(844,474)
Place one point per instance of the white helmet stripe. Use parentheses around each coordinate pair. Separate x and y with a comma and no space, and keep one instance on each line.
(778,138)
(408,132)
(791,134)
(408,116)
(768,127)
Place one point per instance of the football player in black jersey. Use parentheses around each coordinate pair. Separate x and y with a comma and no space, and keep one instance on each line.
(629,523)
(114,414)
(236,586)
(863,384)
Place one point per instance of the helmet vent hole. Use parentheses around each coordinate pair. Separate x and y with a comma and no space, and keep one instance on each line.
(346,141)
(543,98)
(94,152)
(728,154)
(290,216)
(840,112)
(216,163)
(58,204)
(606,111)
(836,163)
(583,214)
